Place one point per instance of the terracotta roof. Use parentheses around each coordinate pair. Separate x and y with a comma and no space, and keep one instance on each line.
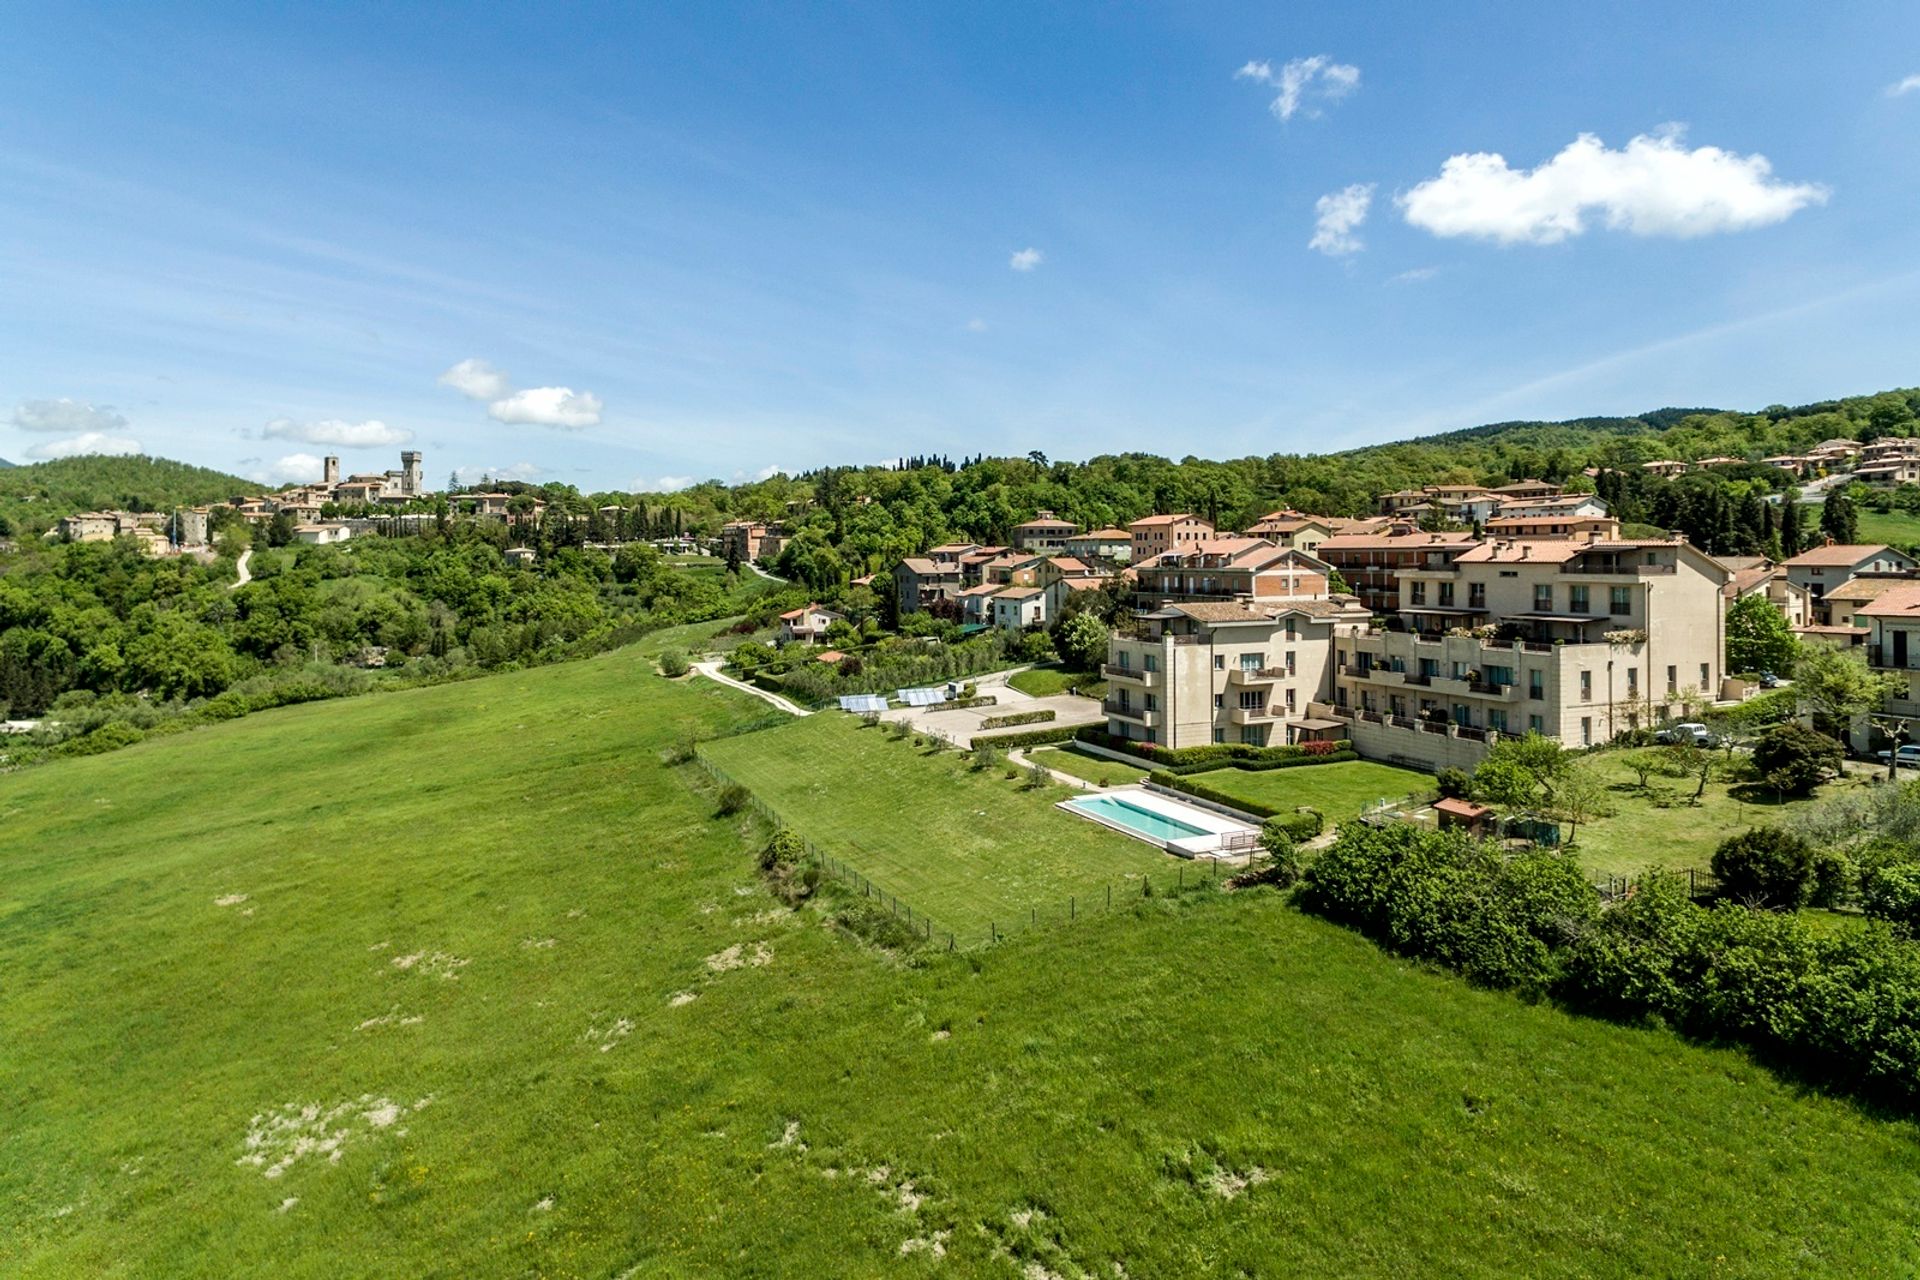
(923,566)
(1108,534)
(1070,565)
(1745,580)
(1402,541)
(1046,522)
(1866,588)
(1844,554)
(1018,593)
(1525,550)
(1461,808)
(1902,601)
(1165,519)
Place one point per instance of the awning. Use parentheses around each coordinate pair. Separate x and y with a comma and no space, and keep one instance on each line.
(1319,724)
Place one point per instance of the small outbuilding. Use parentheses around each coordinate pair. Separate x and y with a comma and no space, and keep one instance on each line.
(1455,814)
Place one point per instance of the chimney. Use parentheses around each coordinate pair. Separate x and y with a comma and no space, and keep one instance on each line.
(1526,550)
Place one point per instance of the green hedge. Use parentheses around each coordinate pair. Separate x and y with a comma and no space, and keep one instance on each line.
(1835,1006)
(1034,738)
(1017,717)
(1220,755)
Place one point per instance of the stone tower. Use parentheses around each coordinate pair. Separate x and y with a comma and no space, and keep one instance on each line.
(413,483)
(331,474)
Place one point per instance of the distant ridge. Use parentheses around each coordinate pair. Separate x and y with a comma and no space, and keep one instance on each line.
(4,464)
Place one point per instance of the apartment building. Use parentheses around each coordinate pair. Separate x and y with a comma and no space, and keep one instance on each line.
(1291,528)
(748,540)
(1370,563)
(1893,645)
(920,582)
(1154,535)
(1568,506)
(1230,568)
(1760,576)
(1115,546)
(1553,526)
(1227,671)
(1576,640)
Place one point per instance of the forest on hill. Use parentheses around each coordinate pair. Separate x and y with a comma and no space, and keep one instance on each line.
(33,497)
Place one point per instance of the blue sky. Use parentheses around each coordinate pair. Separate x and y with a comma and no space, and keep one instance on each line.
(708,240)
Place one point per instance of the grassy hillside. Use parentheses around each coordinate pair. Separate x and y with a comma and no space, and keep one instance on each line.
(467,981)
(35,496)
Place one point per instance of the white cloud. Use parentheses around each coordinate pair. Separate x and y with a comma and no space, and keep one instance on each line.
(1654,186)
(84,443)
(1302,79)
(67,415)
(1026,259)
(477,380)
(1414,276)
(662,484)
(548,407)
(764,473)
(348,435)
(1338,213)
(976,325)
(295,468)
(1910,85)
(527,471)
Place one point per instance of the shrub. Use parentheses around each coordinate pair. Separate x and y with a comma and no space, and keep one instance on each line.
(1836,881)
(733,799)
(1038,779)
(1032,738)
(111,736)
(1454,784)
(786,849)
(1794,759)
(1278,841)
(1766,866)
(985,756)
(1890,891)
(1017,717)
(1318,747)
(674,664)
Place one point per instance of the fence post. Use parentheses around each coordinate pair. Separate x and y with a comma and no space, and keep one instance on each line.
(1073,912)
(1109,897)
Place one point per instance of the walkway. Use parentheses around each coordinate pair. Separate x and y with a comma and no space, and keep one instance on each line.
(711,670)
(244,572)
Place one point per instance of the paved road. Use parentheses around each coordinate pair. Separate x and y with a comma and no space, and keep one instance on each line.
(770,577)
(711,670)
(244,571)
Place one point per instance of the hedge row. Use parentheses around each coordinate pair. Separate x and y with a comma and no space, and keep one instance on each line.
(1300,826)
(1017,717)
(1841,1006)
(1221,755)
(1032,738)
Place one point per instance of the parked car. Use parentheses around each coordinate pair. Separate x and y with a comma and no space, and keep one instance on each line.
(1690,731)
(1909,756)
(1768,680)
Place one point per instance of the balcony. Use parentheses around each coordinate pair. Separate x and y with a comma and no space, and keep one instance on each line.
(1129,711)
(1255,675)
(1492,689)
(1253,715)
(1113,671)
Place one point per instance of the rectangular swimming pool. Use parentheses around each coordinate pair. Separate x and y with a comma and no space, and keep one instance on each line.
(1155,826)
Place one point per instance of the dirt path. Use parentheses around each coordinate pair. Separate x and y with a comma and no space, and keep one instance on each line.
(243,570)
(711,670)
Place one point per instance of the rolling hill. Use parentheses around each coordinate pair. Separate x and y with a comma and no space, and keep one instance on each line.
(35,496)
(472,980)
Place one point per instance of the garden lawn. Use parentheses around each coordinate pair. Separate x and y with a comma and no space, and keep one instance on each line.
(562,1030)
(1339,791)
(1679,837)
(1051,681)
(1896,528)
(968,847)
(1092,768)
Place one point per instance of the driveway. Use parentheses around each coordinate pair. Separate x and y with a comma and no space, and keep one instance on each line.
(711,670)
(960,726)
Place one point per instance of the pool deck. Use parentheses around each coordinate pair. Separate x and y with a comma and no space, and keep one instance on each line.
(1211,844)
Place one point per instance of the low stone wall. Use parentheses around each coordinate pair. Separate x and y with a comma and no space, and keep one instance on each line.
(1415,748)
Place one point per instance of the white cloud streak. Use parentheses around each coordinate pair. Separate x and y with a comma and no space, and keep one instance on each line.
(1337,215)
(1302,81)
(526,471)
(85,443)
(662,484)
(548,407)
(1026,259)
(477,380)
(1900,90)
(1654,186)
(294,468)
(347,435)
(76,416)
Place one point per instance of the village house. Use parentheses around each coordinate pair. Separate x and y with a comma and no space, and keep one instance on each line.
(807,624)
(1291,529)
(1230,568)
(750,541)
(1370,563)
(321,534)
(1565,506)
(1552,526)
(1045,532)
(1114,546)
(1893,645)
(1017,608)
(920,582)
(1154,535)
(1822,568)
(1760,576)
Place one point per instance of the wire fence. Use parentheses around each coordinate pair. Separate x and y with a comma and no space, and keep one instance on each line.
(1186,877)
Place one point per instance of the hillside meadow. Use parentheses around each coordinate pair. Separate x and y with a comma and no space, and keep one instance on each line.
(471,981)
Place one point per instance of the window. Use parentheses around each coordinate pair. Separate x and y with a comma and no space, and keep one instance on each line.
(1152,735)
(1497,719)
(1219,662)
(1153,702)
(1418,592)
(1252,661)
(1290,670)
(1577,599)
(1126,699)
(1459,671)
(1633,682)
(1619,602)
(1290,702)
(1499,675)
(1429,667)
(1673,681)
(1219,701)
(1705,680)
(1446,595)
(1126,660)
(1476,595)
(1219,735)
(1586,686)
(1340,697)
(1396,705)
(1543,597)
(1536,685)
(1535,724)
(1586,731)
(1150,662)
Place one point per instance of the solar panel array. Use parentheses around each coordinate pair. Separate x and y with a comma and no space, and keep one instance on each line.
(922,697)
(863,703)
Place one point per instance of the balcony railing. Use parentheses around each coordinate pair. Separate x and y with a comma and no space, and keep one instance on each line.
(1114,671)
(1125,710)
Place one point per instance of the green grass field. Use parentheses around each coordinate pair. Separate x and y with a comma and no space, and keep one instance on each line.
(970,848)
(1336,790)
(1093,768)
(1896,528)
(1050,681)
(492,992)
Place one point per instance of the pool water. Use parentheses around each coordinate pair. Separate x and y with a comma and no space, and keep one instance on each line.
(1135,818)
